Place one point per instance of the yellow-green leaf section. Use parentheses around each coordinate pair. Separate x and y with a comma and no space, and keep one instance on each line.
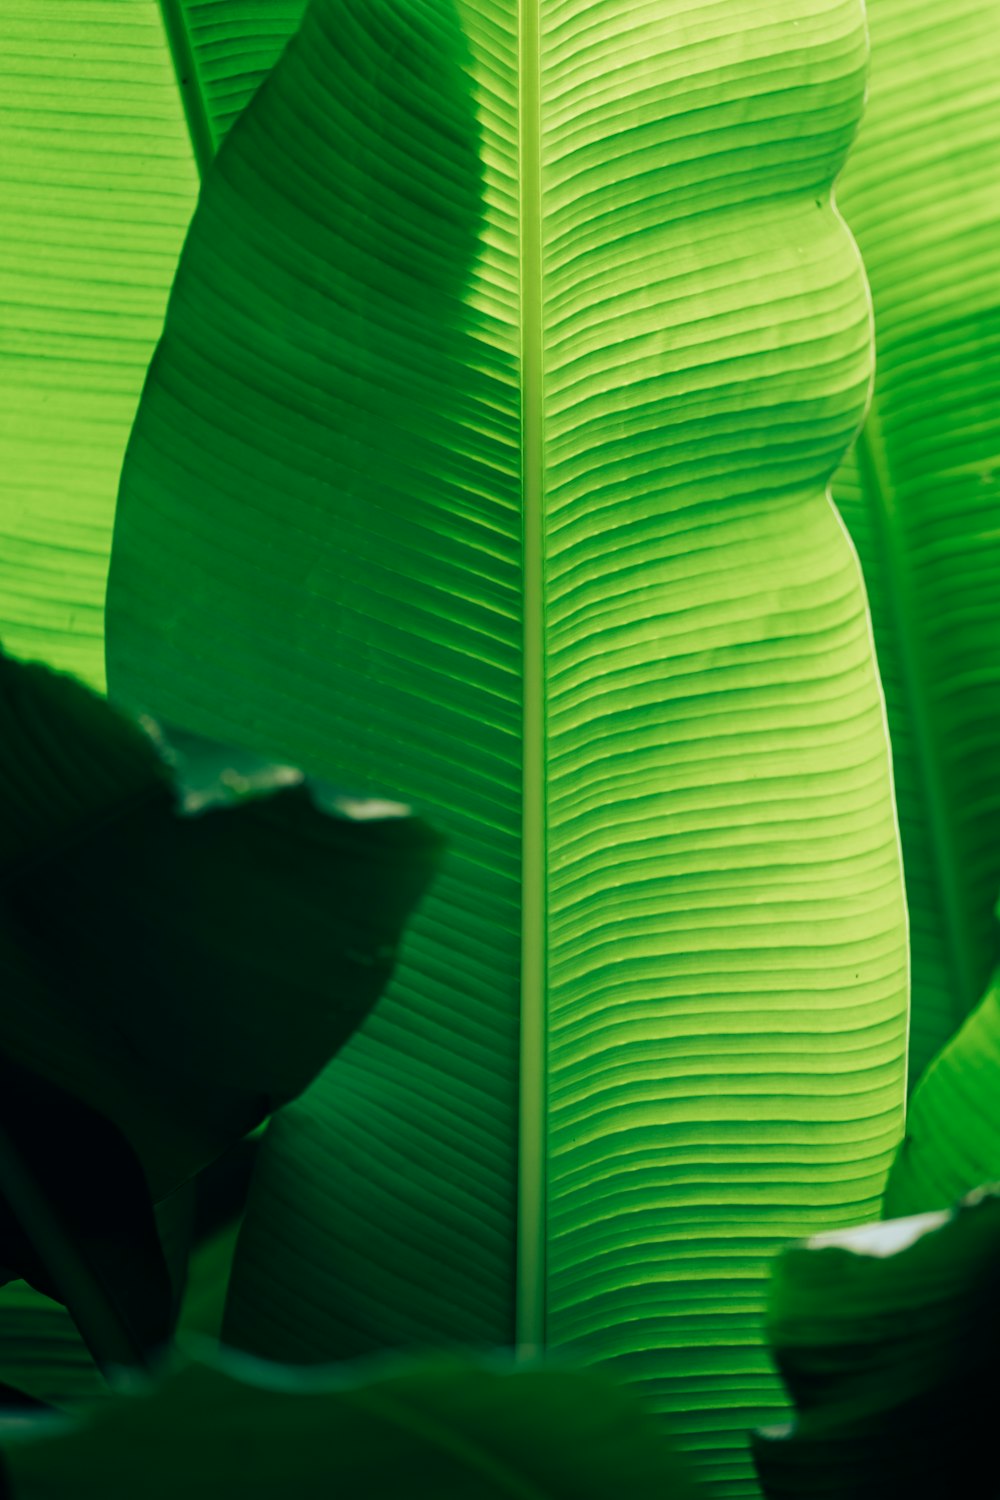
(484,464)
(97,184)
(921,494)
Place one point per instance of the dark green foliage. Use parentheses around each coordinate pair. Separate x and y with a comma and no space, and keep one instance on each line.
(447,1430)
(184,947)
(886,1338)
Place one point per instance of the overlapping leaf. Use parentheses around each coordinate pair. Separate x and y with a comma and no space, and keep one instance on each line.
(97,183)
(952,1141)
(922,490)
(886,1338)
(183,974)
(484,462)
(174,970)
(444,1431)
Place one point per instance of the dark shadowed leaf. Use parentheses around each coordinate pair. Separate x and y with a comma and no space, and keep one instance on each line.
(886,1338)
(41,1350)
(450,1430)
(183,963)
(185,946)
(619,648)
(76,1218)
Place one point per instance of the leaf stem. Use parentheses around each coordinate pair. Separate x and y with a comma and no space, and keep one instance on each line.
(103,1330)
(530,1306)
(195,113)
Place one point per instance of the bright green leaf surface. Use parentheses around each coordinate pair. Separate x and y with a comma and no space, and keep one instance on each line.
(484,464)
(886,1338)
(952,1141)
(922,493)
(97,183)
(447,1431)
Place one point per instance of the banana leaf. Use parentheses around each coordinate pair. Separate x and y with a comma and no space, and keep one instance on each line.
(886,1338)
(98,180)
(921,490)
(484,462)
(217,1427)
(952,1141)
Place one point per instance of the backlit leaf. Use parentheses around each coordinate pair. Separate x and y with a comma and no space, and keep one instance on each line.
(921,494)
(484,464)
(97,183)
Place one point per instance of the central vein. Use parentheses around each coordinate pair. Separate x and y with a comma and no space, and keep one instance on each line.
(530,1317)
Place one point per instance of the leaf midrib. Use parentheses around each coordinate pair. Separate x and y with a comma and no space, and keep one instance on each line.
(188,83)
(530,1295)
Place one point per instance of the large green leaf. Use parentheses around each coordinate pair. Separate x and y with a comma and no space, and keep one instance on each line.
(97,182)
(886,1337)
(922,489)
(451,1430)
(484,461)
(76,1216)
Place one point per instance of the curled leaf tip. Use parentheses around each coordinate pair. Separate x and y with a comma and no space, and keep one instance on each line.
(207,774)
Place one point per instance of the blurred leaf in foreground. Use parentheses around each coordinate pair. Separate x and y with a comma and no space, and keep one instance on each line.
(448,1429)
(886,1339)
(188,935)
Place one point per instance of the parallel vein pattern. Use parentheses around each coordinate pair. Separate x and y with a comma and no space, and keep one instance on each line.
(322,551)
(222,49)
(922,194)
(97,184)
(726,968)
(96,188)
(335,400)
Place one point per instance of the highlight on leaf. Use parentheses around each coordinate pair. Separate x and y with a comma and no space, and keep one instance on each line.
(508,360)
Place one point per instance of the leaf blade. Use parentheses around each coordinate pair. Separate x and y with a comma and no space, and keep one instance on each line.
(884,1336)
(98,186)
(444,1429)
(920,494)
(701,383)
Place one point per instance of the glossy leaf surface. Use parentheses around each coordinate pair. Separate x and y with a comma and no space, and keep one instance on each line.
(922,490)
(97,184)
(886,1338)
(484,463)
